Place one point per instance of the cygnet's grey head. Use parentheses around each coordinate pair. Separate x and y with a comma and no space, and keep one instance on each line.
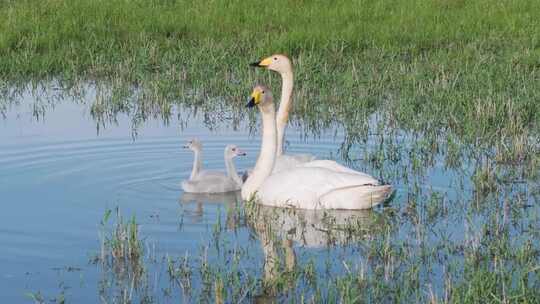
(232,151)
(193,145)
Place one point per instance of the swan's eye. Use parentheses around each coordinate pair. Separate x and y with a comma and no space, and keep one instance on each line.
(262,92)
(275,58)
(234,149)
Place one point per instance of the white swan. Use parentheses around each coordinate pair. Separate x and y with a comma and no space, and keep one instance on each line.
(315,185)
(283,65)
(202,181)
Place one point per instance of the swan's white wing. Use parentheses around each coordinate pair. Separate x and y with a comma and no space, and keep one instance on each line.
(320,188)
(334,166)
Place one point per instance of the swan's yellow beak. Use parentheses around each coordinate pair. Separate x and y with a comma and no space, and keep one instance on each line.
(255,99)
(263,63)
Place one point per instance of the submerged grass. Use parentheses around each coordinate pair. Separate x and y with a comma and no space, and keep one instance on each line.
(122,260)
(386,256)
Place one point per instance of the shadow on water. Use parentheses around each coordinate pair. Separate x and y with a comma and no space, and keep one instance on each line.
(464,220)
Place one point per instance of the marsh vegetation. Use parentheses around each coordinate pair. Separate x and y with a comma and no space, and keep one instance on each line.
(438,98)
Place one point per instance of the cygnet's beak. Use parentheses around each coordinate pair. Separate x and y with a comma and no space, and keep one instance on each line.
(185,146)
(256,64)
(240,152)
(251,103)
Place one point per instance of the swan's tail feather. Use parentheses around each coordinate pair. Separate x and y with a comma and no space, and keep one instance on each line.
(356,197)
(384,192)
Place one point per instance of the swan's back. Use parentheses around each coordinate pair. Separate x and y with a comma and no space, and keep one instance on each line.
(288,161)
(308,187)
(302,157)
(284,162)
(335,166)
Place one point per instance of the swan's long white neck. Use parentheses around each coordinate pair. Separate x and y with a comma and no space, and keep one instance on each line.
(231,169)
(285,105)
(197,164)
(267,157)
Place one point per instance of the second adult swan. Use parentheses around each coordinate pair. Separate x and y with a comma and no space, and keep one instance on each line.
(308,186)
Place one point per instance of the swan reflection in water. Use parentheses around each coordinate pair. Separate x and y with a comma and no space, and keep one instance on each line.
(230,200)
(281,230)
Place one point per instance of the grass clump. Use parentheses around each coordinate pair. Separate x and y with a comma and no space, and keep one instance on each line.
(122,259)
(122,243)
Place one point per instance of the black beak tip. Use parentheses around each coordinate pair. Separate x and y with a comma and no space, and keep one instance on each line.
(255,64)
(251,103)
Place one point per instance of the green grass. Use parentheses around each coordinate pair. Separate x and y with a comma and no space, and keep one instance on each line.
(41,38)
(471,67)
(92,38)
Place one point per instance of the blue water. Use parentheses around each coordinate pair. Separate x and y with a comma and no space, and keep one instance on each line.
(59,174)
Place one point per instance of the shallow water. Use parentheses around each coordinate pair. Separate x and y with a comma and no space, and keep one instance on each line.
(59,175)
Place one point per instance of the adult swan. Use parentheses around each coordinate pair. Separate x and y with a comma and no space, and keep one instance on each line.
(283,65)
(313,185)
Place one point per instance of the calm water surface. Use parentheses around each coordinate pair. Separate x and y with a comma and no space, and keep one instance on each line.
(59,175)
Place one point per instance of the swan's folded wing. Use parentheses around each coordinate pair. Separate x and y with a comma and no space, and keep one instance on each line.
(334,166)
(302,187)
(355,197)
